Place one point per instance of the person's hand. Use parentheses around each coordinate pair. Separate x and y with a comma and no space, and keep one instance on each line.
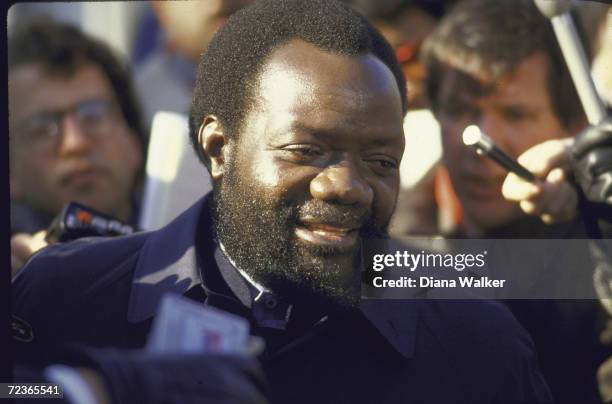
(23,245)
(552,198)
(604,380)
(604,373)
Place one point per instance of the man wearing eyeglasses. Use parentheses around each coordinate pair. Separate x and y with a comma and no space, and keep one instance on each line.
(75,130)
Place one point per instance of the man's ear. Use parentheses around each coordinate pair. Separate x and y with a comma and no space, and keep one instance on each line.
(213,145)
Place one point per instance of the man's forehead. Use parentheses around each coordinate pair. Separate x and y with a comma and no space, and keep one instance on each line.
(459,85)
(299,71)
(33,87)
(525,82)
(41,70)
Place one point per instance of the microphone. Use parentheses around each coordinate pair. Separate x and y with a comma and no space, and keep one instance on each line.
(474,137)
(557,11)
(76,221)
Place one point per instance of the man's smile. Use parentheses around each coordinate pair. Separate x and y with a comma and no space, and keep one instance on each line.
(328,234)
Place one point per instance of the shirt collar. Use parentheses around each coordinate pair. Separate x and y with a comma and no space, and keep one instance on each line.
(250,281)
(168,263)
(267,309)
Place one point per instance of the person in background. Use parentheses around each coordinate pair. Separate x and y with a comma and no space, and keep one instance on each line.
(588,158)
(406,24)
(504,72)
(75,131)
(165,79)
(497,64)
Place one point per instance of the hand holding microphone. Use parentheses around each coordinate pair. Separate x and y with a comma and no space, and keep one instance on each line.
(537,181)
(73,222)
(23,246)
(551,197)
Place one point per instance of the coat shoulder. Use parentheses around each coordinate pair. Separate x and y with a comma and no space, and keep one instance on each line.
(62,274)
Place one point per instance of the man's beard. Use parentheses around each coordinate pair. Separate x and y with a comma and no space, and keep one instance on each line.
(258,233)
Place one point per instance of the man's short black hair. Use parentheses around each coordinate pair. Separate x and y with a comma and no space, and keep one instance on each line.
(229,68)
(62,49)
(492,37)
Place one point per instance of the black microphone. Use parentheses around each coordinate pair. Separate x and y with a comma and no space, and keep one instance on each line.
(77,221)
(557,11)
(474,137)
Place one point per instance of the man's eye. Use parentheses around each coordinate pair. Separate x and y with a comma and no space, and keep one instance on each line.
(39,128)
(384,164)
(458,110)
(513,115)
(304,151)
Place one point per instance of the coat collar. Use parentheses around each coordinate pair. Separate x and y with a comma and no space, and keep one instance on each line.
(168,263)
(396,320)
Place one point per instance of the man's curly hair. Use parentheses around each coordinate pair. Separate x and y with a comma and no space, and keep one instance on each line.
(229,68)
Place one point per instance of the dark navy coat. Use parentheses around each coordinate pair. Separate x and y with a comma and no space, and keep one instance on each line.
(104,293)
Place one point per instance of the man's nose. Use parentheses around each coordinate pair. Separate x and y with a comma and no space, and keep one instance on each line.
(73,139)
(343,184)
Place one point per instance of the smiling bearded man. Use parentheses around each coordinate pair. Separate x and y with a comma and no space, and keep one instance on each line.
(298,231)
(297,115)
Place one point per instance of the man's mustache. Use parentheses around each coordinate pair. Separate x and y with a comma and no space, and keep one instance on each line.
(349,217)
(343,216)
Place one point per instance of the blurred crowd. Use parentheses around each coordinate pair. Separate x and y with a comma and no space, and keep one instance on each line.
(80,115)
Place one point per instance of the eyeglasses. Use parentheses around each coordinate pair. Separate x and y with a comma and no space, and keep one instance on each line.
(43,131)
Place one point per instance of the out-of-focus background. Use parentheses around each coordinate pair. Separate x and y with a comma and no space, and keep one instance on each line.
(154,38)
(117,23)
